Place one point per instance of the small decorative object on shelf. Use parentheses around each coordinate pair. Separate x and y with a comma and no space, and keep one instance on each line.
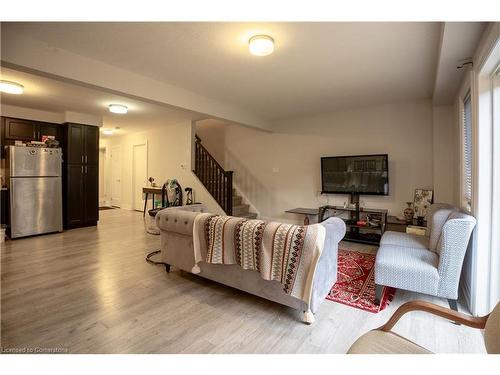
(151,181)
(422,201)
(409,213)
(420,221)
(189,195)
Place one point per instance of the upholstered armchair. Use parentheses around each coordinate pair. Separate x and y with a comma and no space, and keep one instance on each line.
(384,341)
(428,264)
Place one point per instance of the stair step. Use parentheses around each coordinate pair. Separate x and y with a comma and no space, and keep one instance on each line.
(241,209)
(237,200)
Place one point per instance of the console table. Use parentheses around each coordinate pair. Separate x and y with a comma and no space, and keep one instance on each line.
(364,225)
(396,225)
(310,214)
(153,191)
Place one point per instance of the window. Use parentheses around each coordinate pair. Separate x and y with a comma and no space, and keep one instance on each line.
(467,153)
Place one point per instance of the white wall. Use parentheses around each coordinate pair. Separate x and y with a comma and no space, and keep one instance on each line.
(445,155)
(281,170)
(31,114)
(169,156)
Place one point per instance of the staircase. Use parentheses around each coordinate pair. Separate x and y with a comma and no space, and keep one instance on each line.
(240,209)
(219,183)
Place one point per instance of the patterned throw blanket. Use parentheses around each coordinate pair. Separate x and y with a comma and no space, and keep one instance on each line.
(281,252)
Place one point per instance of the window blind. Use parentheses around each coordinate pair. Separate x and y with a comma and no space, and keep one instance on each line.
(467,153)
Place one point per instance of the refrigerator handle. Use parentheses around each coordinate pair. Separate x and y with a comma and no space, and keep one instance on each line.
(82,158)
(82,169)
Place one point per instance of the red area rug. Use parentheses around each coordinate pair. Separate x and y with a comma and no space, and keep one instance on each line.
(355,284)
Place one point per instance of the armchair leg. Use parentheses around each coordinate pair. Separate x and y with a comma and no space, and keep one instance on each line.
(378,294)
(453,306)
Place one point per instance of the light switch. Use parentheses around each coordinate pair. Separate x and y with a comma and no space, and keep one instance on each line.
(276,170)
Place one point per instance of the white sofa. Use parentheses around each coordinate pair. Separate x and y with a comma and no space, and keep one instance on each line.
(176,230)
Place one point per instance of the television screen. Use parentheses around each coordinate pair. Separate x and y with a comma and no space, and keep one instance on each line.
(367,174)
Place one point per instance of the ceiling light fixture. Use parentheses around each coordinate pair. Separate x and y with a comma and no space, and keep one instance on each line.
(261,45)
(118,108)
(9,87)
(107,131)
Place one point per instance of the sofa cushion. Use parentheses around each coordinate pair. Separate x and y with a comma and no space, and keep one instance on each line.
(404,239)
(407,268)
(380,342)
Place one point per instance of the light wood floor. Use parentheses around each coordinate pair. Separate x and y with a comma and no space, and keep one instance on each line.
(90,291)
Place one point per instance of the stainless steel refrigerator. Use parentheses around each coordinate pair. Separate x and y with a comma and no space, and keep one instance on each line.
(34,181)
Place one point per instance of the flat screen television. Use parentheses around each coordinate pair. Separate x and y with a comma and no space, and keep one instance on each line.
(361,174)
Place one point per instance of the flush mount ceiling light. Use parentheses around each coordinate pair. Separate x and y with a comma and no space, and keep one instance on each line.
(118,108)
(261,45)
(9,87)
(107,131)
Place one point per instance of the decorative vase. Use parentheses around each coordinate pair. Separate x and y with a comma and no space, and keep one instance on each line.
(409,212)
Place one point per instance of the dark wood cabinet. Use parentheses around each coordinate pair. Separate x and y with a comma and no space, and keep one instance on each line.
(91,183)
(74,189)
(14,129)
(75,144)
(81,175)
(23,130)
(91,145)
(49,129)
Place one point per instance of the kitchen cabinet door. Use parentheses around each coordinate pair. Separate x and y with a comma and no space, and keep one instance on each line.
(76,144)
(22,130)
(91,193)
(74,197)
(92,145)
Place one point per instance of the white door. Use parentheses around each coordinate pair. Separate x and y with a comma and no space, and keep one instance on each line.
(139,175)
(116,176)
(102,181)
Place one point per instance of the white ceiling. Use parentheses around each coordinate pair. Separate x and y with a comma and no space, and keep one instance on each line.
(316,67)
(51,95)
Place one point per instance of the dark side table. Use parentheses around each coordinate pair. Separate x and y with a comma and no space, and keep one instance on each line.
(396,225)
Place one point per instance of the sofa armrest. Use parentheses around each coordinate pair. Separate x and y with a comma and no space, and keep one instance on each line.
(176,220)
(326,270)
(435,310)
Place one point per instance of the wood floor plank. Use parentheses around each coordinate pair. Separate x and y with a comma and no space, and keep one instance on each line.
(90,290)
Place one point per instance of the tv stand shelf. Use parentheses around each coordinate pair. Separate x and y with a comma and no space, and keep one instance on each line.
(364,225)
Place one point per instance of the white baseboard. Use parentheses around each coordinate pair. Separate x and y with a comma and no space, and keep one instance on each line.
(126,207)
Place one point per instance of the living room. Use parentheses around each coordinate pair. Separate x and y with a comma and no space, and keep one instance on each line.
(282,197)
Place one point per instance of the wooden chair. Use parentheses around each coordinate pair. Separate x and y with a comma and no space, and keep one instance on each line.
(384,341)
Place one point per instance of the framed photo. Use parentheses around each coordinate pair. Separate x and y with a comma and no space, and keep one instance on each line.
(423,199)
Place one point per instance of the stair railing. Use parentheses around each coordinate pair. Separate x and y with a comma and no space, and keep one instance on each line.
(216,180)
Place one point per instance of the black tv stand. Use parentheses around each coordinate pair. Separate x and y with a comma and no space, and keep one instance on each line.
(364,225)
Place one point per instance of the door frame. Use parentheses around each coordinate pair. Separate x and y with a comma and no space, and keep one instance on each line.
(144,143)
(103,200)
(113,148)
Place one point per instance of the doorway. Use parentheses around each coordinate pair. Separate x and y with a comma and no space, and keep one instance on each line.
(116,176)
(102,180)
(139,174)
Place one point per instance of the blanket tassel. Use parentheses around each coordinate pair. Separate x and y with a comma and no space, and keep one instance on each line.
(308,317)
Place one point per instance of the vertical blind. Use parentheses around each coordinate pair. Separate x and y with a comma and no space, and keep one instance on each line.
(467,153)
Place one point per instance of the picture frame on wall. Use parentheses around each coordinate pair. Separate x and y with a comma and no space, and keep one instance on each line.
(422,200)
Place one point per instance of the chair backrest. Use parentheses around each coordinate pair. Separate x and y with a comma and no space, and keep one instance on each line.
(436,218)
(492,331)
(451,248)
